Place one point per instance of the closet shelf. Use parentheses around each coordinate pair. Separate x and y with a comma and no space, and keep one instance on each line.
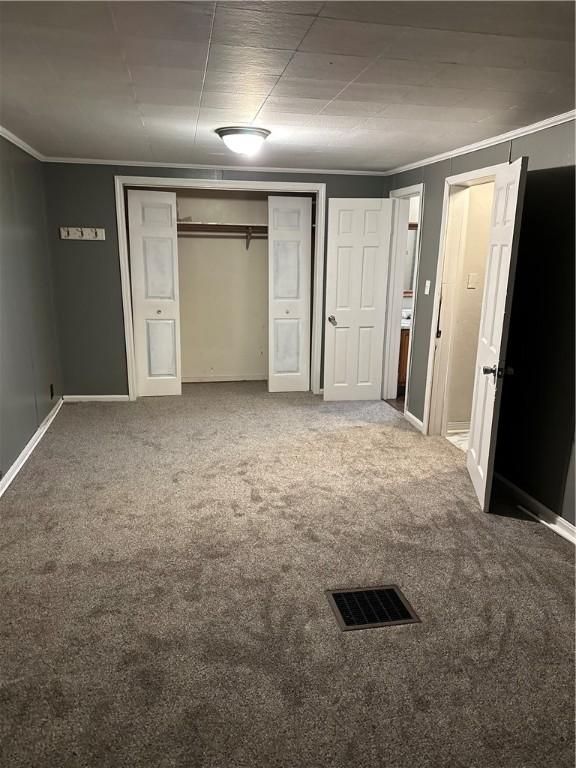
(249,231)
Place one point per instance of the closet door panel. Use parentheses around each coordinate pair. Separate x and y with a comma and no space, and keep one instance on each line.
(289,274)
(155,296)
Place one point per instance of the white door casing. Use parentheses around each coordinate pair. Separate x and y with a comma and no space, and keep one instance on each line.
(153,236)
(509,186)
(359,237)
(393,319)
(289,293)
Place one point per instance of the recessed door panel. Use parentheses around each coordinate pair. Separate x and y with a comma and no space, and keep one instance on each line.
(161,338)
(159,214)
(287,343)
(345,221)
(158,267)
(371,222)
(286,218)
(369,256)
(365,355)
(341,336)
(344,269)
(286,269)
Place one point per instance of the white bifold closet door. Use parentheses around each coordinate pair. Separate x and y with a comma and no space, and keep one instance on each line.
(289,293)
(153,235)
(494,323)
(359,241)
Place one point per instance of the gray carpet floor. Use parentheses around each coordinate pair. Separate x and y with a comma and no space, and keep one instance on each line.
(163,567)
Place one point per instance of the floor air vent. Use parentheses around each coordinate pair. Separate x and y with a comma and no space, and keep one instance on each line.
(371,607)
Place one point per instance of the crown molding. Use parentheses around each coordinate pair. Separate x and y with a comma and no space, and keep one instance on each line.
(196,167)
(565,117)
(18,142)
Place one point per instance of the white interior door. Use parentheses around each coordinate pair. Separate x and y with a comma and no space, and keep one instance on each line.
(289,295)
(499,282)
(359,236)
(155,300)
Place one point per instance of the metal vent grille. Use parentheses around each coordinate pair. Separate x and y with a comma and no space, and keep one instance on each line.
(371,607)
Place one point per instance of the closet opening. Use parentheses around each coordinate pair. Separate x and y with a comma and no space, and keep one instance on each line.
(223,281)
(222,287)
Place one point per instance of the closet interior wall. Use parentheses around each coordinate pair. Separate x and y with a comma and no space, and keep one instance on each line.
(223,288)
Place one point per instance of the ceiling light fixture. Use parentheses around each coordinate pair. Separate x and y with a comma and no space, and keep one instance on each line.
(244,141)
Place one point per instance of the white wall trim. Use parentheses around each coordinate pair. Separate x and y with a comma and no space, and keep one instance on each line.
(18,142)
(120,182)
(407,192)
(463,179)
(411,191)
(95,398)
(200,167)
(539,511)
(410,418)
(316,385)
(517,133)
(29,448)
(393,312)
(472,178)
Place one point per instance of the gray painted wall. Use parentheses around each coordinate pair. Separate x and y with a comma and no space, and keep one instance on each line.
(87,275)
(28,339)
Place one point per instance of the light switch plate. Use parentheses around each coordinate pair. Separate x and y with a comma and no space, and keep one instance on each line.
(427,287)
(82,233)
(472,280)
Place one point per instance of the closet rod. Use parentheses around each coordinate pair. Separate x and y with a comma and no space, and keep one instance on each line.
(190,226)
(249,231)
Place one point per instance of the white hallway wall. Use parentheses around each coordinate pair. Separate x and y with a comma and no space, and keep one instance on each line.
(468,303)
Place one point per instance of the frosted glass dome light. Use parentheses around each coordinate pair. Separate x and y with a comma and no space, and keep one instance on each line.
(243,141)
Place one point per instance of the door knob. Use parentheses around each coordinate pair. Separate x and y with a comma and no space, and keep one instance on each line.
(332,320)
(488,370)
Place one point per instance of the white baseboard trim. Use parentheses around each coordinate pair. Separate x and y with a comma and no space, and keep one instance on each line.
(457,426)
(28,448)
(414,421)
(203,379)
(539,511)
(95,398)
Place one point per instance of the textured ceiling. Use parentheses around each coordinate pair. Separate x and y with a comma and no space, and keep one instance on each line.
(341,85)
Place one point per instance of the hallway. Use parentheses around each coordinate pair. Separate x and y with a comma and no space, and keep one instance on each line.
(163,602)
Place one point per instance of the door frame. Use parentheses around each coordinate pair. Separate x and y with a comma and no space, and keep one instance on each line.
(394,303)
(432,421)
(175,183)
